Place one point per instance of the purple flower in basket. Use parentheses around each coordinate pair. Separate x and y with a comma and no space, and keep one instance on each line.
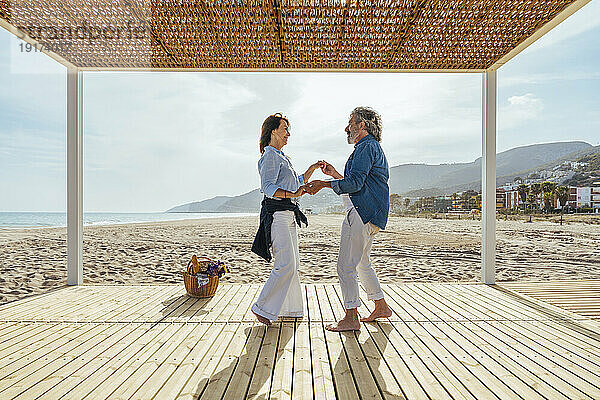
(214,268)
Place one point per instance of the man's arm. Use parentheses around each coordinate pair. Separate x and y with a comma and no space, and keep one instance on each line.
(361,166)
(328,169)
(362,163)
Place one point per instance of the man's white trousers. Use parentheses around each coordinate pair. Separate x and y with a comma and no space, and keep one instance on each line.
(282,294)
(353,260)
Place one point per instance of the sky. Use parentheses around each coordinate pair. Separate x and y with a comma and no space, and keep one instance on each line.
(156,140)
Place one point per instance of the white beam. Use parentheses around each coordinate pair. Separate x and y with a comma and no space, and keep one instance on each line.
(488,178)
(263,70)
(74,177)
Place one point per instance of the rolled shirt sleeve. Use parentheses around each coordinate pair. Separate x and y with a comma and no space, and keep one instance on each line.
(335,185)
(268,168)
(354,179)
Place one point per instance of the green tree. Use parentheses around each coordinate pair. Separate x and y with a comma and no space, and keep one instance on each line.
(406,202)
(547,197)
(469,200)
(548,189)
(523,191)
(534,191)
(563,192)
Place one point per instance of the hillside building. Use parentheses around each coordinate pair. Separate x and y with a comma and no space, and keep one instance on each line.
(442,204)
(595,197)
(500,198)
(512,199)
(582,197)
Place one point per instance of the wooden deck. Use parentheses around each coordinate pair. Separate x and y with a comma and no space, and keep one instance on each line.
(581,297)
(444,341)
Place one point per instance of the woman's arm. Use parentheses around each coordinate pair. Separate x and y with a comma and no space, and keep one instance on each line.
(286,194)
(268,168)
(306,176)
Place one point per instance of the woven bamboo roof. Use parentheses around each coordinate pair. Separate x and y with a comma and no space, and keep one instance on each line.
(281,34)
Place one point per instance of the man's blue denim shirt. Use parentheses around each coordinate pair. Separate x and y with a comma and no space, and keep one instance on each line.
(366,178)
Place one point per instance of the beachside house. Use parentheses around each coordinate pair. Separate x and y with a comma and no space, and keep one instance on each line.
(442,203)
(582,197)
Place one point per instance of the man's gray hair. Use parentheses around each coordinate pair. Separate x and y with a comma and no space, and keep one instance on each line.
(371,118)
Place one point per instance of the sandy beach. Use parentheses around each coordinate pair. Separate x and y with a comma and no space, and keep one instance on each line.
(410,249)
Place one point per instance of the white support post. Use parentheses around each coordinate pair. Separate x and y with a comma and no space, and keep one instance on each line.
(488,178)
(74,177)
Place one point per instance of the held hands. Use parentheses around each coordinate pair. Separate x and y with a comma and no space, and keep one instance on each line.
(298,193)
(301,190)
(328,169)
(317,165)
(314,187)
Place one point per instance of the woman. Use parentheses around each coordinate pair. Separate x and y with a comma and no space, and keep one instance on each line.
(281,294)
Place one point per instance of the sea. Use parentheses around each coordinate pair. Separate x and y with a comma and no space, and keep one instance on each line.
(20,220)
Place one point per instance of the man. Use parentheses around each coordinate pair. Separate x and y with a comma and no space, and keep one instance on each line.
(365,192)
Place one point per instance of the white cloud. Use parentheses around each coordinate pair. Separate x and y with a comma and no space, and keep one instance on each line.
(527,100)
(519,110)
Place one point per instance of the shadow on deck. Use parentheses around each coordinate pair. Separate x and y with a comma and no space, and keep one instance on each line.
(454,341)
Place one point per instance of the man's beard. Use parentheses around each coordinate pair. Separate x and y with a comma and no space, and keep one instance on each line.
(352,137)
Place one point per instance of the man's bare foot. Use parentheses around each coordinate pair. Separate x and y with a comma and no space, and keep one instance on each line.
(378,312)
(262,319)
(344,325)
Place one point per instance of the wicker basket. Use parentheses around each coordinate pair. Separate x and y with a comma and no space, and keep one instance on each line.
(191,282)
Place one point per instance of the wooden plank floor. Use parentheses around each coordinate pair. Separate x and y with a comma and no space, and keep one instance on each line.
(444,341)
(581,296)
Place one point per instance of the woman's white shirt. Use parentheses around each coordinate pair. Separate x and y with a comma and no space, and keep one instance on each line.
(276,172)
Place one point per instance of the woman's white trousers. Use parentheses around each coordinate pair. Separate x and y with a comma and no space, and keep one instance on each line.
(282,295)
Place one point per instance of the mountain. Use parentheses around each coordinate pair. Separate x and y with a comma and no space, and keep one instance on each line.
(209,205)
(588,173)
(422,179)
(247,202)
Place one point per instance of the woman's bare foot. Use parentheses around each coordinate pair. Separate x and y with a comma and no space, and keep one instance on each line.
(262,319)
(382,310)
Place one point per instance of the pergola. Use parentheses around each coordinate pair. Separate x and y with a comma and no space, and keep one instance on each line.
(281,35)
